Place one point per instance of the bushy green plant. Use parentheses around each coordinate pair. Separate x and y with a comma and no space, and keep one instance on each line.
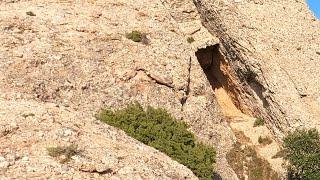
(258,122)
(135,36)
(157,128)
(138,36)
(302,150)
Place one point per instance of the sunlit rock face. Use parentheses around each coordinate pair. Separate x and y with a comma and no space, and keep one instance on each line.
(62,61)
(272,48)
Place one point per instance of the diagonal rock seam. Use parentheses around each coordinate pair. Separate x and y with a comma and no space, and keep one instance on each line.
(245,74)
(157,79)
(218,73)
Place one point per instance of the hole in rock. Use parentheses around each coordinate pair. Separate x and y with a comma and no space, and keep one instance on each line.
(218,71)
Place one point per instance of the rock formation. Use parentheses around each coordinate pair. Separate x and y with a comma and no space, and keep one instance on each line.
(271,50)
(61,61)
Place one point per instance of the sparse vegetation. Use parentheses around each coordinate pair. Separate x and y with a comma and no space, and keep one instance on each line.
(258,122)
(302,150)
(30,13)
(244,160)
(157,128)
(280,154)
(190,40)
(137,36)
(264,140)
(66,151)
(27,115)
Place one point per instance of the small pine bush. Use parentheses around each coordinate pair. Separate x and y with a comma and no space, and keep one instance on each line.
(302,150)
(258,122)
(157,128)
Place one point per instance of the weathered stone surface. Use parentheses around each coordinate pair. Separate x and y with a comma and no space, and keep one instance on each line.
(271,49)
(104,150)
(62,63)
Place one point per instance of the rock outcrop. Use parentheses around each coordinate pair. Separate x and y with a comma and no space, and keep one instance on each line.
(28,128)
(270,58)
(62,61)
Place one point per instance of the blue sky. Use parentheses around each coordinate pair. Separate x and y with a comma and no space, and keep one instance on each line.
(315,7)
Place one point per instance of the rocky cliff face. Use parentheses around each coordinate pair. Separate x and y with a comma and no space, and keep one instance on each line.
(270,58)
(62,61)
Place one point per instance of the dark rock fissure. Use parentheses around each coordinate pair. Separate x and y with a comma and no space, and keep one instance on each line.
(243,88)
(215,68)
(206,59)
(187,90)
(220,74)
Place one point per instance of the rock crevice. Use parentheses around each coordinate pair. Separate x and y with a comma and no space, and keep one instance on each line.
(269,74)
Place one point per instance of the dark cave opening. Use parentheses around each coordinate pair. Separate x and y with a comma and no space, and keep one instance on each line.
(214,66)
(219,75)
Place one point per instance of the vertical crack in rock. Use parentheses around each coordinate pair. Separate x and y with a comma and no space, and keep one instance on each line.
(189,78)
(187,90)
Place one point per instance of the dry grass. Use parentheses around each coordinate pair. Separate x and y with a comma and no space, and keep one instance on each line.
(258,122)
(244,160)
(63,152)
(264,140)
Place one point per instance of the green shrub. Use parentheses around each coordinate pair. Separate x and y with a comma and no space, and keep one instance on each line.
(302,150)
(157,128)
(135,36)
(258,122)
(190,40)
